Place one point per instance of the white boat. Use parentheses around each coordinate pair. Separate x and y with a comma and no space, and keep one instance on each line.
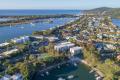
(75,64)
(32,24)
(58,67)
(22,27)
(70,77)
(50,21)
(61,78)
(96,75)
(47,73)
(91,71)
(98,78)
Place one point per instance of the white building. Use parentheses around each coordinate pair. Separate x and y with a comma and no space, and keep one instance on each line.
(21,39)
(52,39)
(99,36)
(63,47)
(75,50)
(4,44)
(110,46)
(7,53)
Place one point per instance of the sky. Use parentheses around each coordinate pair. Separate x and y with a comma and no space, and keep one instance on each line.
(58,4)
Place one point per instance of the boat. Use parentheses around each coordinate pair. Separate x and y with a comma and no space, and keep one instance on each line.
(22,27)
(96,75)
(91,71)
(47,73)
(75,64)
(70,77)
(98,78)
(32,24)
(50,21)
(58,67)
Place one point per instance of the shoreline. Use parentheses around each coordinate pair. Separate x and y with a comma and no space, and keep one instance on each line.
(98,72)
(29,19)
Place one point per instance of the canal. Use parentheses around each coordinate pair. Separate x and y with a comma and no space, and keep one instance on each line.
(79,72)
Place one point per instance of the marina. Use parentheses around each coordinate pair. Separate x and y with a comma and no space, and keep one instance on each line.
(68,72)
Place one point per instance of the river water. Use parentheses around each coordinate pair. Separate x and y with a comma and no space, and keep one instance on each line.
(9,32)
(116,22)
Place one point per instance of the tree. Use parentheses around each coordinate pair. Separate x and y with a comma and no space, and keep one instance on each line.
(11,70)
(23,67)
(42,49)
(6,63)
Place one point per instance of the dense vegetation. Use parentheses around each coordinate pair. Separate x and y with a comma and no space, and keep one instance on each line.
(108,67)
(113,12)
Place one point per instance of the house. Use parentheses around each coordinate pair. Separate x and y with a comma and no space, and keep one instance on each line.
(75,50)
(21,39)
(96,23)
(90,24)
(104,51)
(71,37)
(99,36)
(64,46)
(100,46)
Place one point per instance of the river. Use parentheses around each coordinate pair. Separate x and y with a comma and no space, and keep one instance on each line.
(9,32)
(116,22)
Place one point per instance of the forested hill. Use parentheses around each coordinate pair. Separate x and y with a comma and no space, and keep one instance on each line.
(113,12)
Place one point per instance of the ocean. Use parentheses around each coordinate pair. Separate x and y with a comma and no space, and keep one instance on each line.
(36,12)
